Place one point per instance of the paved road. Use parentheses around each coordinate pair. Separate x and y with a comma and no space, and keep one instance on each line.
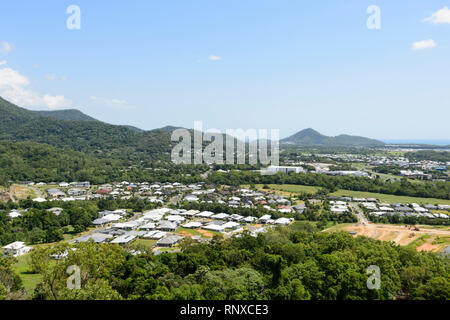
(361,217)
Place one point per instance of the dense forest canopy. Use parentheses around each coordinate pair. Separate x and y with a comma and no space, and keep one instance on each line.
(289,263)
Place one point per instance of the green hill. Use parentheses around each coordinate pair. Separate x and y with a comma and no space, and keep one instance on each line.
(24,161)
(91,137)
(68,114)
(310,137)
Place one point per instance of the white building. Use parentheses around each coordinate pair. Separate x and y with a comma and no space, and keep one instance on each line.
(275,169)
(283,221)
(16,249)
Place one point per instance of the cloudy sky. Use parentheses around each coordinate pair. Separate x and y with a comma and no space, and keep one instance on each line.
(284,65)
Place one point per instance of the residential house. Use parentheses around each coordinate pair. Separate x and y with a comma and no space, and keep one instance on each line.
(16,249)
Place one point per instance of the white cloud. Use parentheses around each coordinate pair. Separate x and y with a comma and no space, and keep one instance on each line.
(424,44)
(14,87)
(3,62)
(440,16)
(6,47)
(214,58)
(113,103)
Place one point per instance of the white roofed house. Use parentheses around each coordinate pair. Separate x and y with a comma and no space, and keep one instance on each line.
(153,217)
(55,193)
(155,235)
(96,237)
(339,209)
(162,211)
(235,217)
(55,210)
(220,216)
(148,226)
(169,241)
(231,225)
(418,208)
(14,214)
(192,225)
(205,214)
(123,239)
(265,218)
(283,221)
(16,249)
(107,219)
(129,225)
(191,198)
(274,169)
(167,226)
(101,214)
(175,219)
(250,219)
(189,213)
(76,192)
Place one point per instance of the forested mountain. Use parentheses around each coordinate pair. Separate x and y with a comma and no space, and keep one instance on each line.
(91,137)
(68,114)
(24,161)
(310,137)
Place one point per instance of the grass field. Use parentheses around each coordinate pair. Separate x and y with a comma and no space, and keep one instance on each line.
(146,242)
(298,224)
(288,189)
(22,192)
(22,269)
(389,197)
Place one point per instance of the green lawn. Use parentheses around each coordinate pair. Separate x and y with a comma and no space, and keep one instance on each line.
(388,197)
(289,188)
(22,268)
(146,242)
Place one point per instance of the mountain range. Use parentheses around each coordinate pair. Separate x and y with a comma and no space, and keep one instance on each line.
(72,129)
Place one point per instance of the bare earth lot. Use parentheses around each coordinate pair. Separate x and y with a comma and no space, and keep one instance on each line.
(428,238)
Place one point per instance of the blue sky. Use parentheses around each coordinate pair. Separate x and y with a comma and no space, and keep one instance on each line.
(285,65)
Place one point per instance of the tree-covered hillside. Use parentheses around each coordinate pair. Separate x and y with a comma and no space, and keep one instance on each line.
(288,264)
(92,137)
(25,161)
(68,114)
